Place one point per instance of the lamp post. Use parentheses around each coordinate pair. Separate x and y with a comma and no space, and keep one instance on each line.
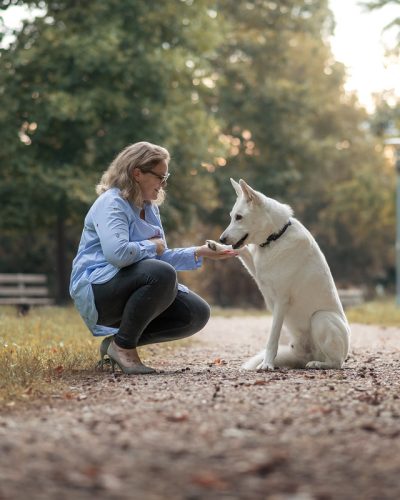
(395,143)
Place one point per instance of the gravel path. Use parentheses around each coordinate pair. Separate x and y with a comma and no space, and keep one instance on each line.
(204,429)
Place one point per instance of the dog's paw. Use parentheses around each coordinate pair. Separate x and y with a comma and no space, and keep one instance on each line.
(217,247)
(316,365)
(212,245)
(265,366)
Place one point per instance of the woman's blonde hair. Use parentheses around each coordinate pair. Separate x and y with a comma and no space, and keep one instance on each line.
(142,155)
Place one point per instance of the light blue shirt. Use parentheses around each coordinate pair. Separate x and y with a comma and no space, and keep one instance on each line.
(114,236)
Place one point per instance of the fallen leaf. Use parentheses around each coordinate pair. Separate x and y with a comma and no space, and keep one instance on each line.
(178,417)
(270,465)
(59,369)
(219,362)
(260,382)
(369,428)
(320,409)
(91,471)
(209,479)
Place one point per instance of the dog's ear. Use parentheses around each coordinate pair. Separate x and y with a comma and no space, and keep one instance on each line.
(236,187)
(248,192)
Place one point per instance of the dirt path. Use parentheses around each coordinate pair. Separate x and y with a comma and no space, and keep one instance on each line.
(205,429)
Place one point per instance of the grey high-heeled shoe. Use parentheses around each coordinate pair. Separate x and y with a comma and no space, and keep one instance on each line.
(103,352)
(136,368)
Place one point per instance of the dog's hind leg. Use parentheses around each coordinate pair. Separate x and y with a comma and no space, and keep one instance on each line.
(288,358)
(330,334)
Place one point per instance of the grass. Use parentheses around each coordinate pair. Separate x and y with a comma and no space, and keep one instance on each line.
(383,312)
(41,352)
(38,350)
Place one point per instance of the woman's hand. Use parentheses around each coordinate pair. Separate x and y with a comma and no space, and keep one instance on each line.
(207,253)
(160,245)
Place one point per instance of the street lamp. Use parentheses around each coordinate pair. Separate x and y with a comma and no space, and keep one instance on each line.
(395,143)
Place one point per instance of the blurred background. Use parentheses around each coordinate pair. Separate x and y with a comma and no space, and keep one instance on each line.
(297,97)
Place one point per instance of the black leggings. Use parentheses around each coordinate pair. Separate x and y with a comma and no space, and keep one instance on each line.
(142,300)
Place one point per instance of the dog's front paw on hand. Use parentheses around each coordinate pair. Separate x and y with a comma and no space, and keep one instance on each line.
(217,247)
(265,366)
(212,245)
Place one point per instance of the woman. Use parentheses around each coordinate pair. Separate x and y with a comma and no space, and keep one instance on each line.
(123,278)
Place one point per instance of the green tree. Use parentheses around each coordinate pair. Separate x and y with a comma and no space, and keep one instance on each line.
(295,135)
(243,89)
(78,84)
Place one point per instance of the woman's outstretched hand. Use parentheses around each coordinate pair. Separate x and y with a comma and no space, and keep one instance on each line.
(220,254)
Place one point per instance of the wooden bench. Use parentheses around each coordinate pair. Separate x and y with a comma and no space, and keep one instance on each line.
(350,297)
(24,291)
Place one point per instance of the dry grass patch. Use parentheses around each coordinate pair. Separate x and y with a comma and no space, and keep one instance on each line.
(379,312)
(39,349)
(47,350)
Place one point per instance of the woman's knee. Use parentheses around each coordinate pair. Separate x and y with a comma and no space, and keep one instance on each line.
(162,274)
(201,313)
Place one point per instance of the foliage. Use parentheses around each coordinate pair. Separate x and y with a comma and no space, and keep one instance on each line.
(394,24)
(377,4)
(386,118)
(242,89)
(294,135)
(84,80)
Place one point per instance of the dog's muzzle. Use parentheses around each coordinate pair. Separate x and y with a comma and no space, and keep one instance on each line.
(236,245)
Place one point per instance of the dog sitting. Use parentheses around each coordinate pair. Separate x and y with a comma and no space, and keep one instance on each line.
(294,279)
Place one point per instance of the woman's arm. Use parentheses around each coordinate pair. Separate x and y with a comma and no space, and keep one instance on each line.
(186,259)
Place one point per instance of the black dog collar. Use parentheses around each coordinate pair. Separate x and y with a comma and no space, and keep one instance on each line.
(275,236)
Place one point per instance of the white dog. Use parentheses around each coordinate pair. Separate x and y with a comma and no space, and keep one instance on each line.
(294,279)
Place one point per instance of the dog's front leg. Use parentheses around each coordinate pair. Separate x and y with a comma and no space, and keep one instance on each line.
(247,260)
(273,339)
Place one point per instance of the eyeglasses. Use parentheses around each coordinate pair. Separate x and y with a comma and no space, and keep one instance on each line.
(162,178)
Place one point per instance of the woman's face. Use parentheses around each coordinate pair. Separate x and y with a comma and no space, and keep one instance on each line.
(152,181)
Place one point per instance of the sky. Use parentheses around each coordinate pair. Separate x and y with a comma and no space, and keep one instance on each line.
(359,42)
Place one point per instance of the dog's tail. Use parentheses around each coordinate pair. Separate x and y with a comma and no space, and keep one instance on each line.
(253,362)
